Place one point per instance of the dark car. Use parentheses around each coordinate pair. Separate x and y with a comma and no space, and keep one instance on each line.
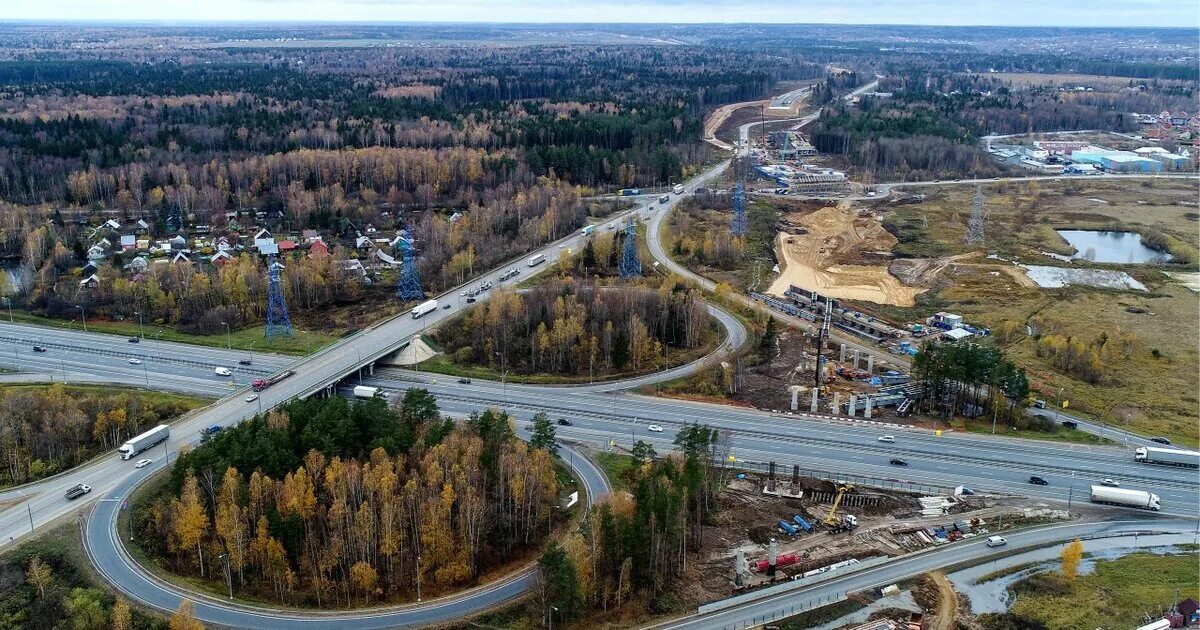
(898,462)
(211,430)
(134,340)
(1070,424)
(38,349)
(470,300)
(464,381)
(564,422)
(245,362)
(1161,440)
(1034,479)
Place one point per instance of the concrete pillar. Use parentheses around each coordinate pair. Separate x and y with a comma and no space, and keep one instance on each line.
(856,355)
(871,363)
(796,480)
(371,369)
(867,410)
(812,407)
(853,403)
(837,403)
(795,397)
(771,478)
(772,556)
(842,353)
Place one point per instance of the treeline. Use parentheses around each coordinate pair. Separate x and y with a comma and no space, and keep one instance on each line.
(1085,359)
(972,380)
(47,587)
(634,547)
(564,327)
(335,504)
(44,431)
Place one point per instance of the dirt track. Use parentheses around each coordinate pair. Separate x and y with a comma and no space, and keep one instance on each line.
(821,259)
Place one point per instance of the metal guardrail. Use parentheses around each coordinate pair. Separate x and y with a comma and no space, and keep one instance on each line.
(783,471)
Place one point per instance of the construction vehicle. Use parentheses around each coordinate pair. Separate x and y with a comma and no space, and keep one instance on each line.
(834,524)
(788,528)
(805,525)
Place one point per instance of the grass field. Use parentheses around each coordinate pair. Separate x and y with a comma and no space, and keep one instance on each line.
(1154,391)
(615,467)
(150,396)
(1115,595)
(253,338)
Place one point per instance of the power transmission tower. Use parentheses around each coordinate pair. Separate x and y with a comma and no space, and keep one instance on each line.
(409,287)
(975,224)
(738,225)
(631,264)
(278,323)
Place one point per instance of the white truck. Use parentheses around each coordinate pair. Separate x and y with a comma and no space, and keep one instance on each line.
(1125,498)
(424,308)
(537,260)
(1167,456)
(139,443)
(677,189)
(362,391)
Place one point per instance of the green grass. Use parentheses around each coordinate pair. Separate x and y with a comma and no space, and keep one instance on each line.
(1115,595)
(616,467)
(1060,434)
(253,338)
(150,396)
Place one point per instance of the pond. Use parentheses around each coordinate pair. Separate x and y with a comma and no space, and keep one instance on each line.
(1111,247)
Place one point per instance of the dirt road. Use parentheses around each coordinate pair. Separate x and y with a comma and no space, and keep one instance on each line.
(947,603)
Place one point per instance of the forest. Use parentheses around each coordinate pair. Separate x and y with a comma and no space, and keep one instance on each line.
(634,546)
(336,504)
(581,328)
(971,380)
(46,430)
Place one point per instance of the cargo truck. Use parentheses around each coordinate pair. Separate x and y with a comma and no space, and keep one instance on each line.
(77,491)
(141,442)
(588,229)
(629,192)
(677,189)
(260,384)
(1167,456)
(362,391)
(537,260)
(1126,498)
(424,308)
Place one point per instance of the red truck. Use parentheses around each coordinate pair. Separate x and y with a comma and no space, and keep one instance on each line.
(260,384)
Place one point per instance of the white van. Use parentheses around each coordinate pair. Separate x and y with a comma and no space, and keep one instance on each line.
(996,541)
(223,371)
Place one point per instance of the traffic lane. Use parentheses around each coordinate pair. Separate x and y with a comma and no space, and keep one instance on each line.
(55,358)
(1032,456)
(148,374)
(1098,429)
(915,564)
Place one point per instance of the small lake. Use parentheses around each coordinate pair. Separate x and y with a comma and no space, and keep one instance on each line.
(1111,247)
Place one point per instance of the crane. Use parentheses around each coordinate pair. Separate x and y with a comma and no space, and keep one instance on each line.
(833,524)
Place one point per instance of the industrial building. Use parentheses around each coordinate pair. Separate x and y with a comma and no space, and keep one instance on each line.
(1129,163)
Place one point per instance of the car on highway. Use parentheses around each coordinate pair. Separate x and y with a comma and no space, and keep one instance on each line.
(251,398)
(38,349)
(446,306)
(654,428)
(1111,483)
(890,439)
(1038,481)
(1070,424)
(134,340)
(135,361)
(996,541)
(1161,440)
(222,371)
(564,422)
(896,461)
(245,362)
(470,300)
(210,430)
(142,463)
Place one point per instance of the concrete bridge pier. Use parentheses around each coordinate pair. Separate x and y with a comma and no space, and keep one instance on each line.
(837,403)
(812,406)
(853,403)
(867,410)
(871,363)
(842,353)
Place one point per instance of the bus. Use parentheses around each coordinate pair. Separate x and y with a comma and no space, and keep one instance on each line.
(537,260)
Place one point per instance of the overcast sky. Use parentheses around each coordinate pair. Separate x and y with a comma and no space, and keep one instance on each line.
(937,12)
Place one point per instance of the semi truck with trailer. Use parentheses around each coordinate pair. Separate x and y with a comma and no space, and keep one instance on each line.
(1125,497)
(260,384)
(424,308)
(363,391)
(141,442)
(1167,456)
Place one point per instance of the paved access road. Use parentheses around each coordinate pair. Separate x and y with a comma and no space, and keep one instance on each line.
(835,589)
(110,557)
(982,462)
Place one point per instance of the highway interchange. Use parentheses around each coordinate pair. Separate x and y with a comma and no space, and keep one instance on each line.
(599,414)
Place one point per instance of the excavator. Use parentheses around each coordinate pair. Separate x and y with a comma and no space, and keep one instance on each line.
(847,522)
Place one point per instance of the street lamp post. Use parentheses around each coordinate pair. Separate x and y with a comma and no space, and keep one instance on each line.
(83,311)
(141,326)
(418,577)
(8,302)
(1071,491)
(552,610)
(228,574)
(228,337)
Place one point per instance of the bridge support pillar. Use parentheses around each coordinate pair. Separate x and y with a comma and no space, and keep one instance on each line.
(853,403)
(371,369)
(842,354)
(857,354)
(867,410)
(812,405)
(795,389)
(871,363)
(837,403)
